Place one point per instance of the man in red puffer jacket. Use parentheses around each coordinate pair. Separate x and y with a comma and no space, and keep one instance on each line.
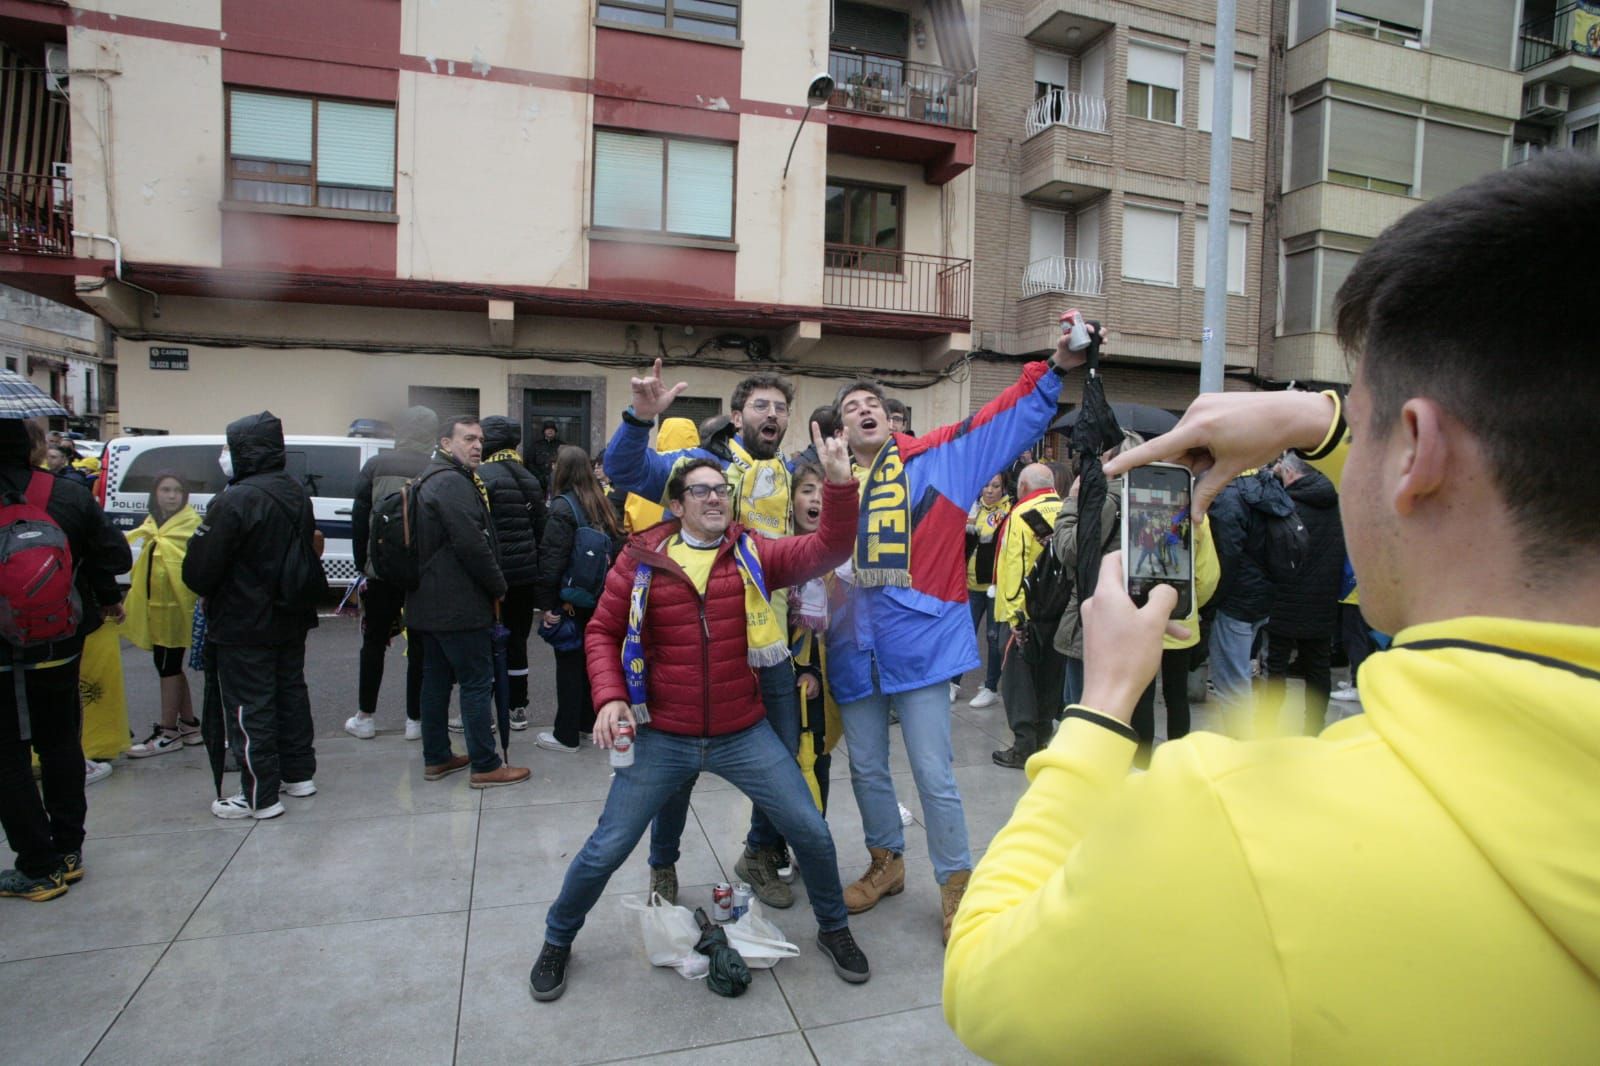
(681,628)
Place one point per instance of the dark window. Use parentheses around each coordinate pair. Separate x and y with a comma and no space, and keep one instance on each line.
(444,401)
(861,217)
(196,464)
(324,469)
(865,28)
(704,18)
(695,408)
(567,408)
(310,152)
(11,363)
(108,387)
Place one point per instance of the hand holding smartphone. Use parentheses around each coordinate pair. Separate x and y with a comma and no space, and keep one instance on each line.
(1158,533)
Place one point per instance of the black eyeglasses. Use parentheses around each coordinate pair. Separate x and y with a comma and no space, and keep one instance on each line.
(700,492)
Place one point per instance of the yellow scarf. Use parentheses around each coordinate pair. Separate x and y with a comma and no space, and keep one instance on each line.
(760,492)
(160,607)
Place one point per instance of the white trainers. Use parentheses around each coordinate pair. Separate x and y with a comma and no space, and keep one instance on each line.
(300,789)
(905,813)
(1345,693)
(455,726)
(95,771)
(159,742)
(413,730)
(548,742)
(955,691)
(236,807)
(985,697)
(360,728)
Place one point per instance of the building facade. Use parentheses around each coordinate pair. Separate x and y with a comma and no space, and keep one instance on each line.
(337,209)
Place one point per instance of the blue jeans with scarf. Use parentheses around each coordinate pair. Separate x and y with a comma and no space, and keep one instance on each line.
(755,762)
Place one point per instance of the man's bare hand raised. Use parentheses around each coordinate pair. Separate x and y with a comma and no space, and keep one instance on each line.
(651,395)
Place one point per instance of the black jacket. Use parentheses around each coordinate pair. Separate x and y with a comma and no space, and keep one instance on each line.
(555,551)
(455,546)
(541,457)
(1239,528)
(516,502)
(99,551)
(236,556)
(416,434)
(1306,607)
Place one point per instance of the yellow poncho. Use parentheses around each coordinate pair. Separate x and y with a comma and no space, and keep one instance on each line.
(160,606)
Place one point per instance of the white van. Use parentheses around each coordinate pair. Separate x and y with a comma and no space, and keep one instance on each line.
(326,466)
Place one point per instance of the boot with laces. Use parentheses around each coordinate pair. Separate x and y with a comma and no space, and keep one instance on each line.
(885,877)
(849,962)
(549,976)
(950,894)
(664,883)
(759,867)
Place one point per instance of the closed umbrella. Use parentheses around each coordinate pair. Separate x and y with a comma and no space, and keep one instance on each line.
(1141,418)
(499,639)
(729,975)
(21,398)
(1094,430)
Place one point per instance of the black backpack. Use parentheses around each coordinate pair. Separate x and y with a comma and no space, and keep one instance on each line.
(1046,591)
(392,548)
(302,582)
(585,576)
(1286,544)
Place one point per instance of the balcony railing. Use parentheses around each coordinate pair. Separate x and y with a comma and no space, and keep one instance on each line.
(35,213)
(886,279)
(886,85)
(1561,33)
(1059,273)
(1061,108)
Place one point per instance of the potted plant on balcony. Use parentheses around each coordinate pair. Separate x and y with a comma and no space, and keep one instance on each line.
(867,92)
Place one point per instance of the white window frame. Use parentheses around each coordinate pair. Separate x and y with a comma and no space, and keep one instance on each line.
(1235,262)
(666,207)
(1177,228)
(1177,89)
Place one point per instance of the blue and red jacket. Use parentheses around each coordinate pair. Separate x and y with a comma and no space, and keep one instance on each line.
(925,631)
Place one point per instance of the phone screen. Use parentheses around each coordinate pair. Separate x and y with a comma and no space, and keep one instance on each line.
(1157,534)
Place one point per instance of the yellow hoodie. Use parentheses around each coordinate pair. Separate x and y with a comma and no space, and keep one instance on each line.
(638,512)
(1418,884)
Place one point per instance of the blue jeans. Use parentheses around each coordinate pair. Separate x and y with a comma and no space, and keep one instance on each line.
(925,727)
(1231,641)
(982,608)
(465,658)
(1072,681)
(778,693)
(755,762)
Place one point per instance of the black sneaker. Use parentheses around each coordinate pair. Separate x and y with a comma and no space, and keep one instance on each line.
(519,718)
(549,976)
(847,958)
(1012,758)
(72,867)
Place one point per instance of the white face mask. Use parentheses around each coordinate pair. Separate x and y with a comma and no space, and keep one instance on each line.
(225,460)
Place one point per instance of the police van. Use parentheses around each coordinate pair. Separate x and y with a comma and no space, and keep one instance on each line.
(326,466)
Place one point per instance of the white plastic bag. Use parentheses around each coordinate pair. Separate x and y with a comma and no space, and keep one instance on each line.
(670,934)
(758,940)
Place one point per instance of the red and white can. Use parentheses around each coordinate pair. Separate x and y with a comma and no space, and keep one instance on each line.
(622,744)
(722,902)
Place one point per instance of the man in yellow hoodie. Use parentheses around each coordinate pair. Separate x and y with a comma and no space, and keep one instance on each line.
(1420,883)
(1030,679)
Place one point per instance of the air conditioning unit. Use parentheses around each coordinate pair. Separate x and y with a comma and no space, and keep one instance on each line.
(1545,98)
(61,188)
(55,67)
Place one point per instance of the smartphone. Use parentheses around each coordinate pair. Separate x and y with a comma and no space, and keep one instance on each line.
(1158,534)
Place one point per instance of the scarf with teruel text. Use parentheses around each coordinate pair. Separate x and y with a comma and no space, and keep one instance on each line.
(883,535)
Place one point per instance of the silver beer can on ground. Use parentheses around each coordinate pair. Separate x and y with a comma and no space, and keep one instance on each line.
(722,902)
(741,899)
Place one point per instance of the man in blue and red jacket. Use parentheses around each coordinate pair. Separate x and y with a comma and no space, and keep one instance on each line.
(902,629)
(685,621)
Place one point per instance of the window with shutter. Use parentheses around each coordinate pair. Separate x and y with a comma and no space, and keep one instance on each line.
(1305,145)
(703,18)
(1371,149)
(1241,98)
(310,152)
(644,181)
(1238,242)
(1453,156)
(1155,84)
(1150,245)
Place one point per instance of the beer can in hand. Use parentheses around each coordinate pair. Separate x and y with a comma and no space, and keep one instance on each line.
(622,744)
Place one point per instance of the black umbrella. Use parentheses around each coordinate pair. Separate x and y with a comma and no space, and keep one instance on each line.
(213,730)
(729,976)
(499,638)
(1094,430)
(1141,418)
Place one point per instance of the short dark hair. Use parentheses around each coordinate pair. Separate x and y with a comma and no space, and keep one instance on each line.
(803,469)
(827,421)
(447,427)
(742,391)
(680,477)
(858,385)
(1439,306)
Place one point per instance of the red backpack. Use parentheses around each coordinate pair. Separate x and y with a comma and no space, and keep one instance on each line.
(38,602)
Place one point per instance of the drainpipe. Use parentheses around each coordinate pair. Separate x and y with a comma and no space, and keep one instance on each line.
(116,248)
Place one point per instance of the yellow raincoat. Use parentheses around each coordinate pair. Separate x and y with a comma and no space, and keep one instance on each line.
(640,512)
(160,606)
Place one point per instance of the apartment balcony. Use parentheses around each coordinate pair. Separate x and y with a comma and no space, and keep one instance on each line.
(886,279)
(1063,274)
(1058,107)
(35,214)
(892,108)
(1067,24)
(1561,47)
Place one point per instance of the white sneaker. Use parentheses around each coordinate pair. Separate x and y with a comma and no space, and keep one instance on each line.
(159,742)
(548,742)
(236,807)
(905,814)
(360,728)
(95,771)
(455,726)
(1345,693)
(300,789)
(985,697)
(519,718)
(413,730)
(955,691)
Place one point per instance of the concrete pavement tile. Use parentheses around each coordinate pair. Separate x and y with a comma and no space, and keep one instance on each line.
(909,1036)
(56,1009)
(557,776)
(990,720)
(376,783)
(379,992)
(616,1006)
(169,793)
(786,1050)
(988,795)
(135,890)
(291,874)
(523,854)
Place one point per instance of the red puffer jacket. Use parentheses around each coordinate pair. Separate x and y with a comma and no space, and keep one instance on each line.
(698,677)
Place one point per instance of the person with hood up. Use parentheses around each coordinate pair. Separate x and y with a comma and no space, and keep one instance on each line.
(1418,884)
(255,560)
(383,604)
(542,456)
(1305,608)
(44,822)
(517,508)
(160,611)
(641,512)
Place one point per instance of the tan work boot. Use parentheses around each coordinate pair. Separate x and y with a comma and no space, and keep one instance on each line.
(885,877)
(950,894)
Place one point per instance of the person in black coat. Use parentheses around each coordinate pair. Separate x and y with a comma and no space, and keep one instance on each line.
(1304,609)
(47,833)
(236,561)
(542,455)
(516,506)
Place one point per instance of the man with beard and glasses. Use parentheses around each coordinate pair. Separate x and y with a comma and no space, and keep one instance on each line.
(748,450)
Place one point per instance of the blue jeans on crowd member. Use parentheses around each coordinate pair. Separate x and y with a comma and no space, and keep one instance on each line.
(782,700)
(925,727)
(1232,640)
(1072,677)
(755,762)
(464,658)
(982,608)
